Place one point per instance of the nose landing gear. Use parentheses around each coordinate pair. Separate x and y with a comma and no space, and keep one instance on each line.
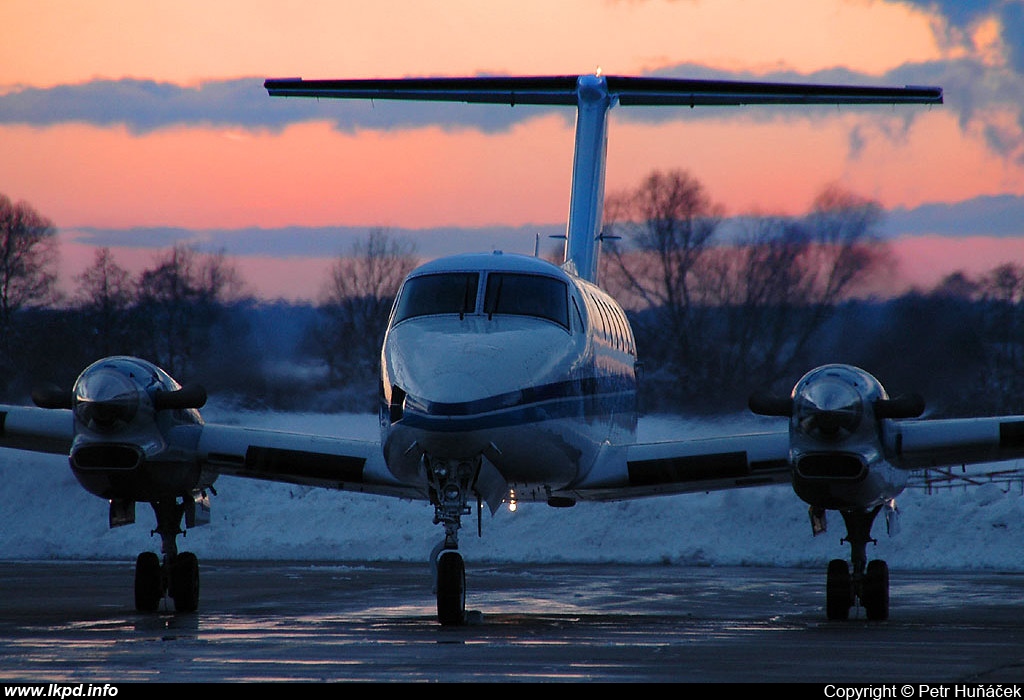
(450,488)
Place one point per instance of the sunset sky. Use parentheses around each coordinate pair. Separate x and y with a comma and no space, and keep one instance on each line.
(137,125)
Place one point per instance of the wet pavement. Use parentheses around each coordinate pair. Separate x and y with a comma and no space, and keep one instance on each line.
(352,621)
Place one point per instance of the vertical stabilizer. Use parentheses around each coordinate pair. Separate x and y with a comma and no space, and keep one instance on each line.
(586,203)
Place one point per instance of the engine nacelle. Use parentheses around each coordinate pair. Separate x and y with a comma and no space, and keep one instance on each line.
(135,428)
(836,439)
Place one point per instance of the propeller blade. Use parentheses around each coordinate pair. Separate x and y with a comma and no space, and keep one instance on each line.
(52,396)
(902,406)
(764,403)
(189,396)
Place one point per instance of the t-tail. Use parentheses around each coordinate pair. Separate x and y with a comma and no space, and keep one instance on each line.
(594,95)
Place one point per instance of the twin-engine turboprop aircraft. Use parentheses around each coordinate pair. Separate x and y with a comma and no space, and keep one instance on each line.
(505,377)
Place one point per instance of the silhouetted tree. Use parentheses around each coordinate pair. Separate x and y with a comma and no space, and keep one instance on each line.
(670,221)
(355,305)
(179,301)
(722,316)
(791,275)
(105,297)
(1002,301)
(28,260)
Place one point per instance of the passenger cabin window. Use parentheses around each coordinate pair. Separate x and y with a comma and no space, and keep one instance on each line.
(577,316)
(527,295)
(448,293)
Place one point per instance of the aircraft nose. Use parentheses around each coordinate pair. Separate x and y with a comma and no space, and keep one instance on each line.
(829,407)
(458,373)
(106,400)
(464,368)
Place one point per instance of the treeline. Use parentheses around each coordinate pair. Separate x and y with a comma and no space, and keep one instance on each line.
(717,312)
(191,314)
(722,310)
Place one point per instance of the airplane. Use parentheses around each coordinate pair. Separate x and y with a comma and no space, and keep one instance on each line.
(508,378)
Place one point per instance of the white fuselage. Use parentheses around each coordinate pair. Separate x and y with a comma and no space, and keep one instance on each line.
(532,370)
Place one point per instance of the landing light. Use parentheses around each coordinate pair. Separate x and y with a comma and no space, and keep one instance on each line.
(452,492)
(512,504)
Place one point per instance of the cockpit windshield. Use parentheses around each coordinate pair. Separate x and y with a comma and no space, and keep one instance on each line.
(507,293)
(449,293)
(527,295)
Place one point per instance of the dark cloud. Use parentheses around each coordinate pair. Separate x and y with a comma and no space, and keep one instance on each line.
(961,15)
(973,91)
(1000,215)
(145,105)
(319,242)
(141,105)
(978,94)
(996,215)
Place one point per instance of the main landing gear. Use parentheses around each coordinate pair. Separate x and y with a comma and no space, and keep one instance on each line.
(868,581)
(177,575)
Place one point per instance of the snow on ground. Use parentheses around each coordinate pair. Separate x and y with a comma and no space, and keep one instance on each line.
(47,515)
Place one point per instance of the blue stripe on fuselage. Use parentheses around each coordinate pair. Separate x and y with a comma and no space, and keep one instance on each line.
(587,399)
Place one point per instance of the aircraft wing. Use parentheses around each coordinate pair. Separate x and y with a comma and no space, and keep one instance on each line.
(687,466)
(959,451)
(339,463)
(36,429)
(346,464)
(940,453)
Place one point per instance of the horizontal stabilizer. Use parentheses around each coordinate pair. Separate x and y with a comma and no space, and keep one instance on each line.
(562,90)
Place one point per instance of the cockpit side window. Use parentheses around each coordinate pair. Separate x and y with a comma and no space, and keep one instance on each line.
(448,293)
(527,295)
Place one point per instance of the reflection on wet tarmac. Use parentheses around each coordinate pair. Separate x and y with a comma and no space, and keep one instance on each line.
(261,621)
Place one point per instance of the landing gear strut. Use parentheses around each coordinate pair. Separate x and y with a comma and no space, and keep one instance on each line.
(867,581)
(450,489)
(177,574)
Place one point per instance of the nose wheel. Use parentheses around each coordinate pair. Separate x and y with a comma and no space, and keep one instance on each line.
(451,588)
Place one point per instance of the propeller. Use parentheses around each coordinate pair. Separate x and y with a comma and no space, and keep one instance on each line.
(52,396)
(902,406)
(765,403)
(911,405)
(188,396)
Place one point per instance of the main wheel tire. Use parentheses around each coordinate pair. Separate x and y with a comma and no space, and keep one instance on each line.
(838,590)
(451,588)
(185,582)
(876,590)
(149,588)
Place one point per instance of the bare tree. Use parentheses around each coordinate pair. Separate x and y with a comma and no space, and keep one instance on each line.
(28,260)
(356,302)
(105,295)
(670,221)
(847,250)
(179,301)
(669,215)
(956,285)
(782,282)
(722,315)
(1002,303)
